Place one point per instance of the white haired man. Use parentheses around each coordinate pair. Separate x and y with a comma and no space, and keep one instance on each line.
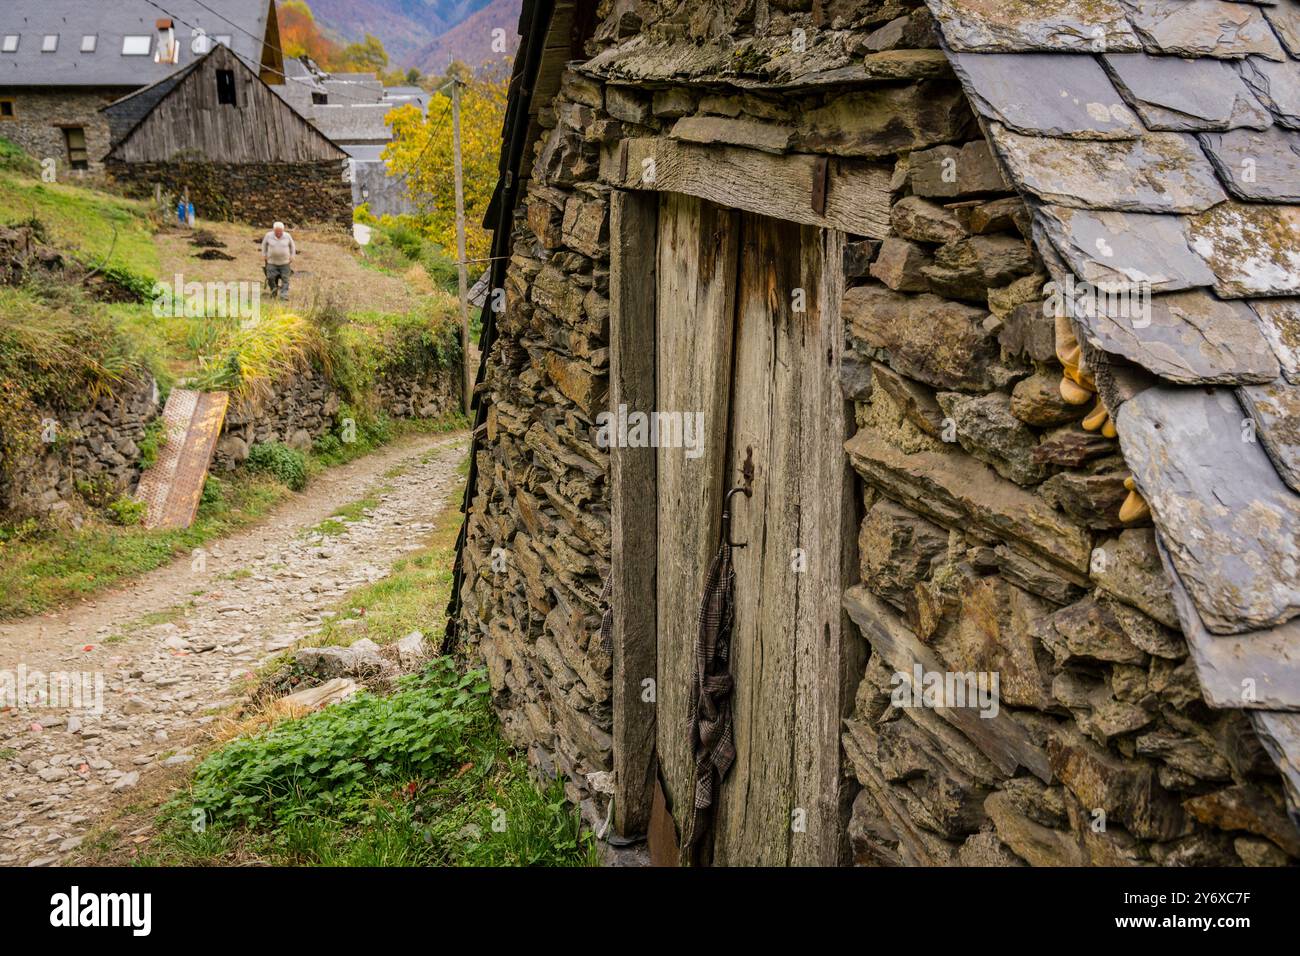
(278,251)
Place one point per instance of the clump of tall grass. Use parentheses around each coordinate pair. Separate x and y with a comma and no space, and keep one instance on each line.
(248,359)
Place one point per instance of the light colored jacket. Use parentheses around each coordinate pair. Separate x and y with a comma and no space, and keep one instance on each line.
(278,252)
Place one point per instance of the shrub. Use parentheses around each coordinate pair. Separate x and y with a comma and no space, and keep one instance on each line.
(285,464)
(127,511)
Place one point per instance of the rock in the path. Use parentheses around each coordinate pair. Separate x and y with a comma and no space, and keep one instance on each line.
(412,650)
(127,780)
(316,698)
(360,659)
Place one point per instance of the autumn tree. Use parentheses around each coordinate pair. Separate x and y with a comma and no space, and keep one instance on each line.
(300,34)
(421,152)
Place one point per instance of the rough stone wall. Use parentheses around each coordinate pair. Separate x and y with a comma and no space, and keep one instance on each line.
(306,407)
(990,530)
(39,118)
(98,445)
(295,193)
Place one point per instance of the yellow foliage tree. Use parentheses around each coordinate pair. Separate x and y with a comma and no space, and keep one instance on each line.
(421,152)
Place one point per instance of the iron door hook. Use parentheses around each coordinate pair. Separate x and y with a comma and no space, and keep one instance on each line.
(726,516)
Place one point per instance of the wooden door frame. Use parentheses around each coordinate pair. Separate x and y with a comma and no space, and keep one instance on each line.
(634,234)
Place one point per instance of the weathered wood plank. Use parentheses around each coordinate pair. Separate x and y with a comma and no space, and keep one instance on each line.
(857,193)
(633,238)
(1000,738)
(753,827)
(695,307)
(829,655)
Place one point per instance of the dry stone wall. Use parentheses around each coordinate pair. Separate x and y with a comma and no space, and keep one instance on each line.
(990,541)
(297,193)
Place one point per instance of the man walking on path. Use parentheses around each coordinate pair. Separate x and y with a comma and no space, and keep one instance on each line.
(278,251)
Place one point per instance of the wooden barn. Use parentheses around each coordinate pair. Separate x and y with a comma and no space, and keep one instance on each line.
(243,153)
(976,325)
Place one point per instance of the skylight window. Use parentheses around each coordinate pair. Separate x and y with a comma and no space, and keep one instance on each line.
(136,45)
(49,43)
(10,43)
(88,43)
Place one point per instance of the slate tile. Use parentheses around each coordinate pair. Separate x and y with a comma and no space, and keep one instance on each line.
(1188,337)
(1276,410)
(1161,172)
(1268,659)
(1022,25)
(1047,94)
(1174,93)
(1277,85)
(1125,247)
(1279,320)
(1258,165)
(1285,19)
(1203,28)
(1252,249)
(1230,525)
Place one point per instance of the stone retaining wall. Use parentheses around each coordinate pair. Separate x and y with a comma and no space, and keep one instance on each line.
(297,193)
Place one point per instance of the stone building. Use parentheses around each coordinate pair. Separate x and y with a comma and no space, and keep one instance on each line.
(991,308)
(242,153)
(62,61)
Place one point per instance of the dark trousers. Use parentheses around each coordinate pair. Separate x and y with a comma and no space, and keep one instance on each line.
(277,279)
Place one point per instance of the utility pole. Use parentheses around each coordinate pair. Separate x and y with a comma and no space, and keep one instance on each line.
(460,241)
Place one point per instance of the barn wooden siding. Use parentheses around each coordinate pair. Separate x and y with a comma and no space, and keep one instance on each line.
(188,121)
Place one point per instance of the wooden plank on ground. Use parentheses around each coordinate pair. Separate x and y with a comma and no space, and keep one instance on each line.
(172,487)
(633,237)
(857,196)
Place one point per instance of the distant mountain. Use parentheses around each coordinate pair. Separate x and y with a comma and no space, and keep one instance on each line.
(471,41)
(413,31)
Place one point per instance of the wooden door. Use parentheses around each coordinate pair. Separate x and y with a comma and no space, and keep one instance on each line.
(748,329)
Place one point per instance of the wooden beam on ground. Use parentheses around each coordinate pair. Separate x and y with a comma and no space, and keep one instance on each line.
(854,195)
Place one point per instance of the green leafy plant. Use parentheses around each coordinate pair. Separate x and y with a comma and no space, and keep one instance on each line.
(150,442)
(287,465)
(127,511)
(328,762)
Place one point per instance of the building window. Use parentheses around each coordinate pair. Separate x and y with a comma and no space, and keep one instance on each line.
(320,99)
(226,87)
(49,43)
(75,139)
(136,45)
(9,44)
(6,109)
(88,43)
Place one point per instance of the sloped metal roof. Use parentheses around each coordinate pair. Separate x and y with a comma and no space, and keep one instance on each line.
(243,21)
(1158,142)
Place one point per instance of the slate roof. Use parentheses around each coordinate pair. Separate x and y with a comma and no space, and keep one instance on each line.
(1158,141)
(109,21)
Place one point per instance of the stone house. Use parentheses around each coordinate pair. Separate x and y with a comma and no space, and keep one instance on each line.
(991,309)
(241,152)
(351,109)
(62,61)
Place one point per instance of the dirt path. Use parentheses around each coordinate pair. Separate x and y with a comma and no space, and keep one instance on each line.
(327,266)
(257,593)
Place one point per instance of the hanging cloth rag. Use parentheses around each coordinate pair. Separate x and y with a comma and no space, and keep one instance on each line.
(712,740)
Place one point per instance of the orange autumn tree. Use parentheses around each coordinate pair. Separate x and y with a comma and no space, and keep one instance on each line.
(299,34)
(421,151)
